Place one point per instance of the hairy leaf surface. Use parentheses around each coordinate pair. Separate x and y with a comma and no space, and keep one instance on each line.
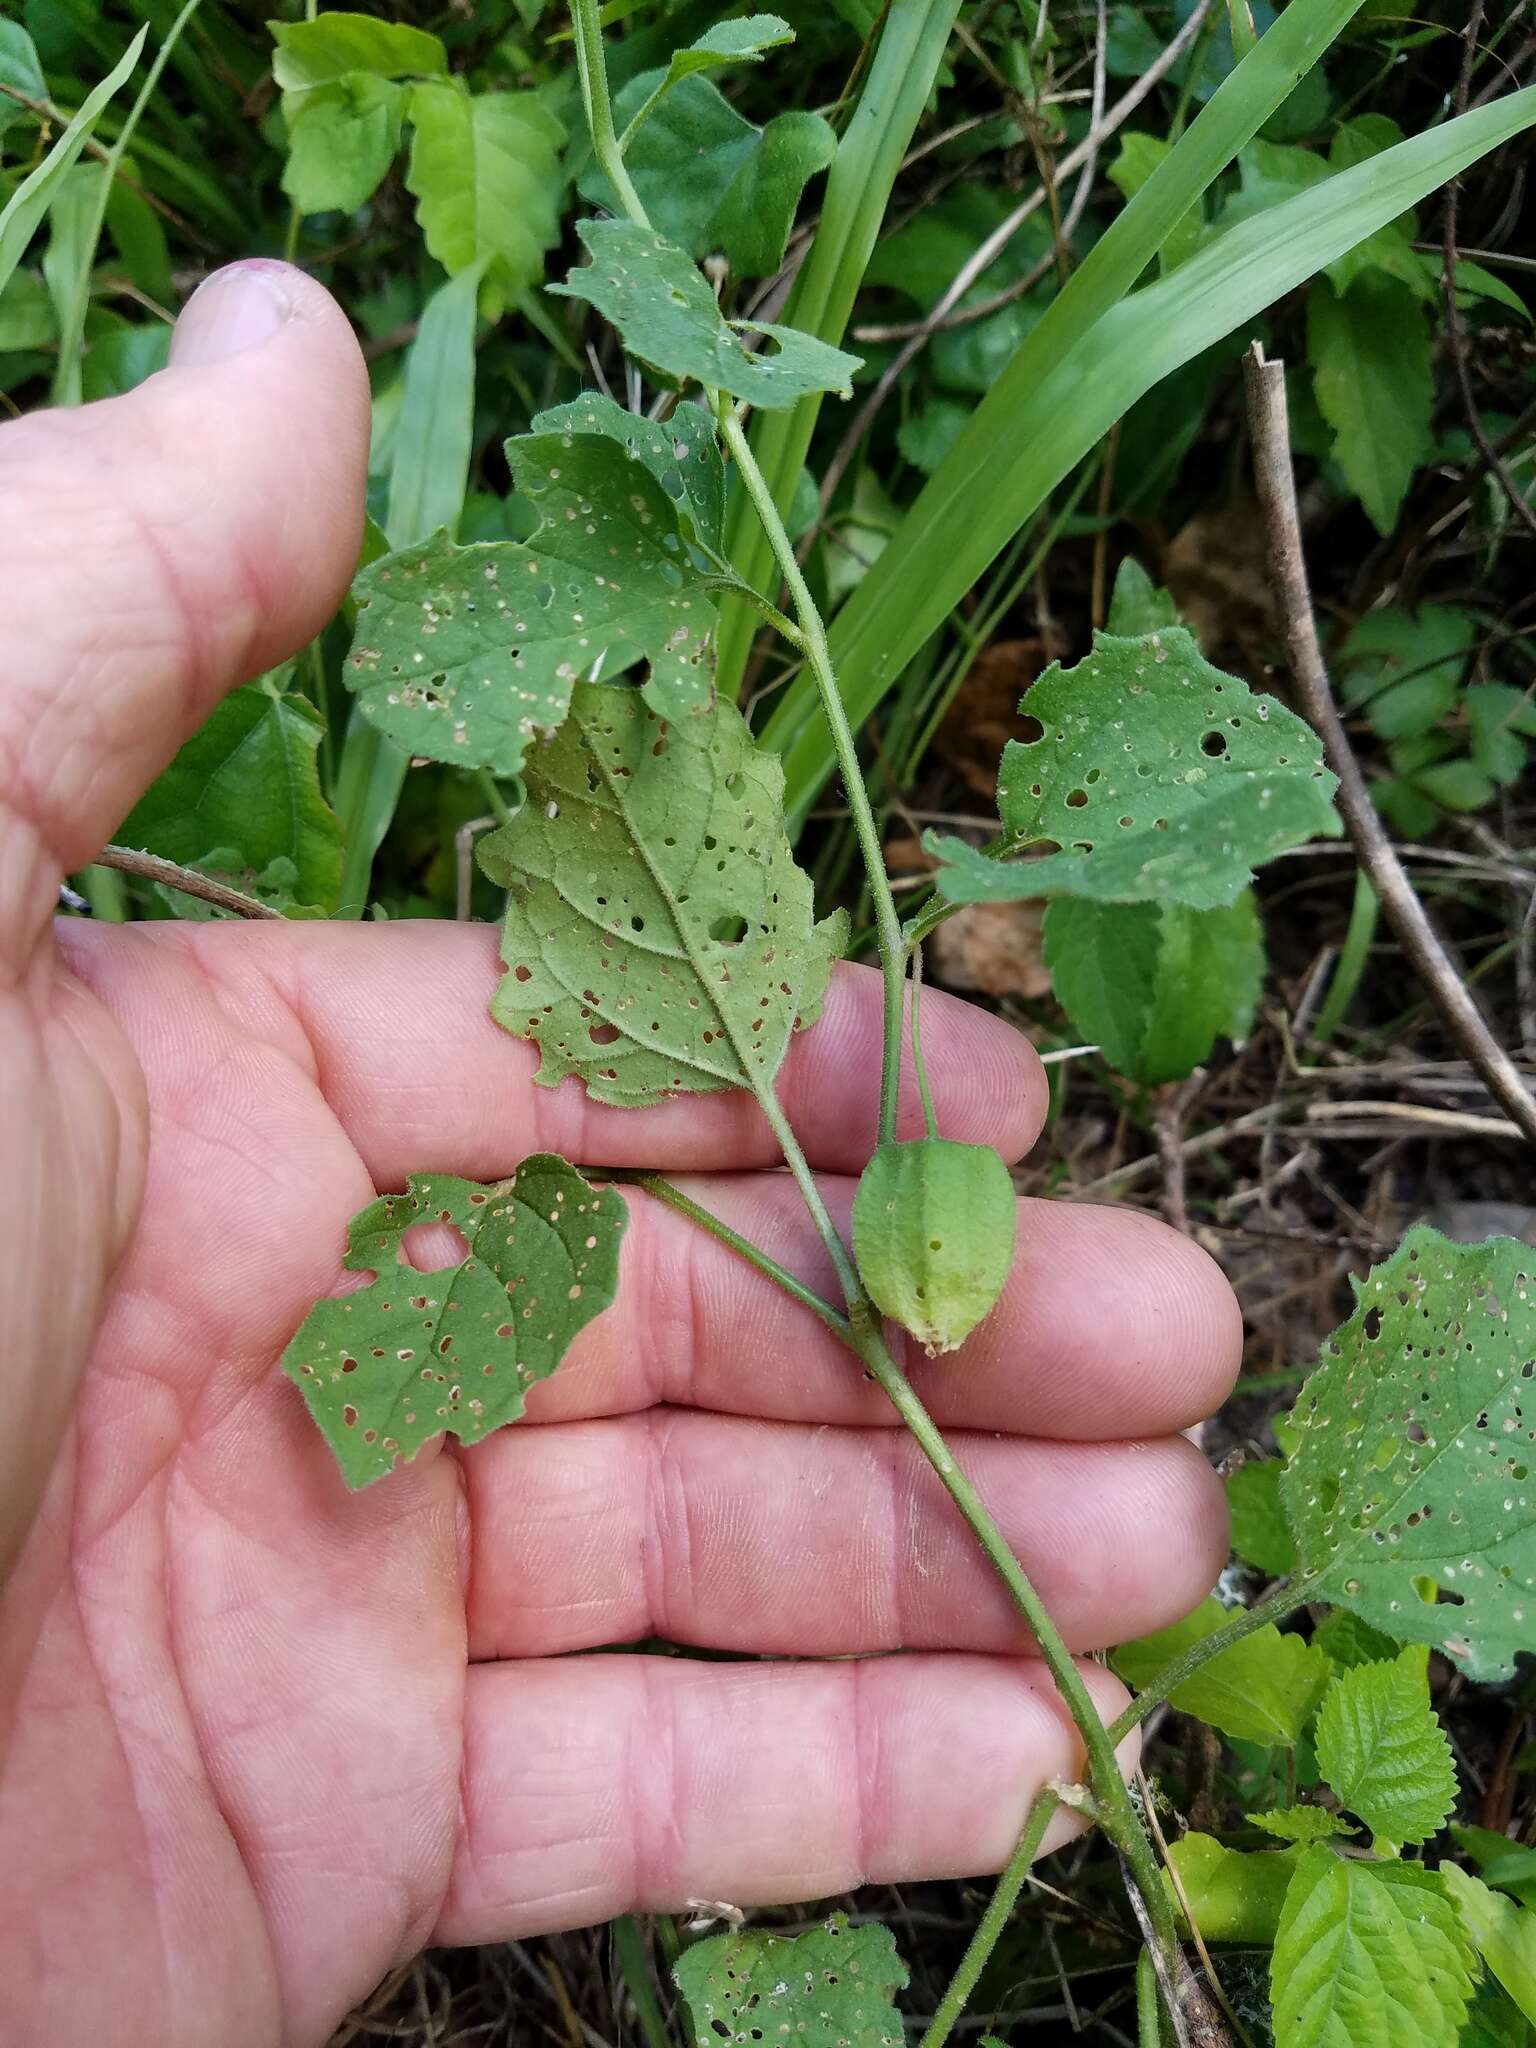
(1382,1749)
(830,1988)
(462,654)
(389,1367)
(659,936)
(1153,776)
(658,299)
(1414,1448)
(681,452)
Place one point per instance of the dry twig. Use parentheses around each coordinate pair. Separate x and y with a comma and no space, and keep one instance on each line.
(149,867)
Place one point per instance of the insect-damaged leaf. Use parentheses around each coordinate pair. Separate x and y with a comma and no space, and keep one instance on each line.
(1153,776)
(659,301)
(1414,1448)
(413,1354)
(830,1988)
(681,452)
(462,654)
(659,935)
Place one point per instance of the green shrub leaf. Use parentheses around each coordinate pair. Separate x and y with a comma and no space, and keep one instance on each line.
(830,1988)
(1383,1751)
(246,786)
(1370,352)
(1302,1824)
(342,138)
(396,1363)
(1503,1933)
(485,172)
(1154,985)
(1368,1955)
(1413,1452)
(1154,776)
(682,452)
(335,45)
(1233,1894)
(659,301)
(659,936)
(1263,1689)
(1495,2021)
(462,654)
(1261,1536)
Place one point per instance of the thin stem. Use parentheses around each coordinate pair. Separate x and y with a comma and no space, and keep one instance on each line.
(1277,1604)
(1149,2023)
(586,21)
(662,1190)
(992,1922)
(805,1181)
(149,867)
(814,639)
(919,1067)
(635,1968)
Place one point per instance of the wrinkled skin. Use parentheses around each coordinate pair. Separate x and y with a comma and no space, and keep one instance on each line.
(260,1739)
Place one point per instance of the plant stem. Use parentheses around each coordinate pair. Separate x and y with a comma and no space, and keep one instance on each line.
(662,1190)
(1149,2023)
(919,1066)
(635,1968)
(587,22)
(814,641)
(1280,1601)
(992,1922)
(805,1180)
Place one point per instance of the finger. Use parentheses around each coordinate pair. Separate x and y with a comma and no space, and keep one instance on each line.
(394,1019)
(1111,1325)
(175,541)
(797,1541)
(595,1786)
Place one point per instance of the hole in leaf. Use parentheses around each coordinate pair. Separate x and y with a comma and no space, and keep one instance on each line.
(729,930)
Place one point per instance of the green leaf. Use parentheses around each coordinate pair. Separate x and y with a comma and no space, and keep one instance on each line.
(1495,2021)
(758,208)
(1501,1862)
(1503,1933)
(1403,669)
(1153,775)
(485,172)
(934,1223)
(1368,1955)
(1302,1824)
(332,46)
(1263,1689)
(1382,1749)
(1260,1534)
(1412,1453)
(926,436)
(433,443)
(730,42)
(1346,1639)
(389,1367)
(462,654)
(830,1988)
(21,68)
(1233,1894)
(681,452)
(1477,283)
(1139,156)
(342,138)
(246,780)
(1137,605)
(1372,372)
(659,936)
(27,318)
(1155,985)
(1496,714)
(665,311)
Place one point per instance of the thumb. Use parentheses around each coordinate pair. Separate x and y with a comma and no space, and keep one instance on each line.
(158,548)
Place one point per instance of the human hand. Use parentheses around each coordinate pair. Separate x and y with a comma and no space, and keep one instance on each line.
(260,1739)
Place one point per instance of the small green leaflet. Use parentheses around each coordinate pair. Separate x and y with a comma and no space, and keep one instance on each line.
(1368,1955)
(659,301)
(342,138)
(1154,776)
(681,452)
(462,654)
(1302,1824)
(389,1367)
(1403,669)
(1382,1749)
(1260,1533)
(1503,1933)
(830,1988)
(1154,985)
(485,172)
(1233,1894)
(1418,1427)
(1347,1639)
(335,45)
(1138,605)
(1263,1689)
(730,42)
(246,785)
(1372,371)
(659,936)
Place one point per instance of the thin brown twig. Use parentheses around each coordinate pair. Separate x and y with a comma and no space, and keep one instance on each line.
(149,867)
(1270,430)
(1171,1112)
(1455,332)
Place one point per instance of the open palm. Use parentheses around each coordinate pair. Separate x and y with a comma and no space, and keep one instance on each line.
(260,1738)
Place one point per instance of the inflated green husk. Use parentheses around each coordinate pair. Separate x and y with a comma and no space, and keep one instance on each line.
(933,1231)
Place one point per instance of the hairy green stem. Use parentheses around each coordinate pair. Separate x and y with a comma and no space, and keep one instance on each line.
(663,1190)
(586,20)
(813,637)
(1279,1602)
(919,1065)
(992,1922)
(1149,2022)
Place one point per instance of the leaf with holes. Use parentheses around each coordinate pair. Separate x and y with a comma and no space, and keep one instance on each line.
(462,654)
(830,1988)
(1263,1689)
(1382,1749)
(396,1363)
(1150,775)
(1414,1448)
(1368,1955)
(659,936)
(681,452)
(658,299)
